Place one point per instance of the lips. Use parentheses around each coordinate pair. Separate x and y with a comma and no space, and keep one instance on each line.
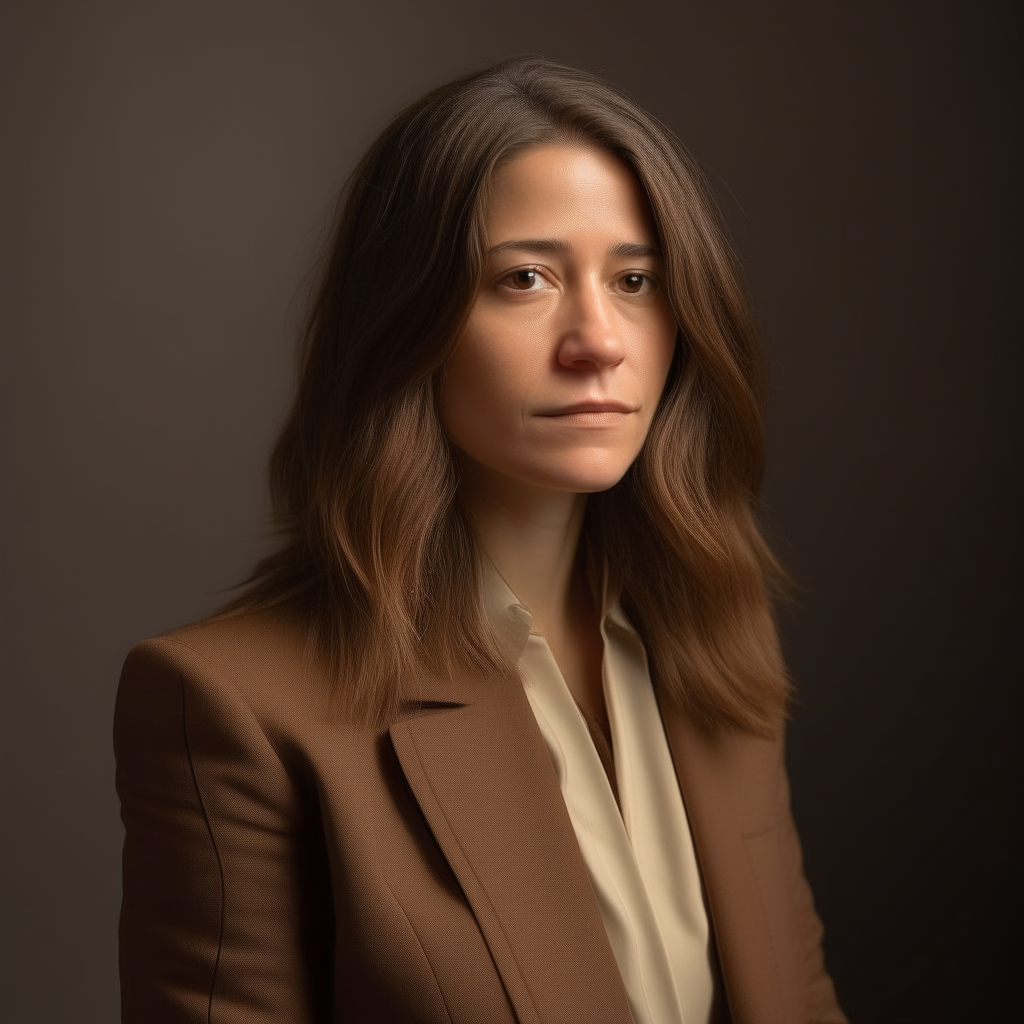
(590,406)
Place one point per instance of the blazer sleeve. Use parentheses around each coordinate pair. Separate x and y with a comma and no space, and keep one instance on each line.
(822,1004)
(224,917)
(786,897)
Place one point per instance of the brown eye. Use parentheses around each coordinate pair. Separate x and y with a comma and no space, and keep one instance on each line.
(523,279)
(634,282)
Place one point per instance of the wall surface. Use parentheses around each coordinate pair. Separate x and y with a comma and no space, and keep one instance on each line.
(168,169)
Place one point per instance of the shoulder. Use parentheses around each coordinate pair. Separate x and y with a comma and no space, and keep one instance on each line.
(259,662)
(230,642)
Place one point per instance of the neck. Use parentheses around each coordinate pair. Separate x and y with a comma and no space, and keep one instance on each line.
(531,534)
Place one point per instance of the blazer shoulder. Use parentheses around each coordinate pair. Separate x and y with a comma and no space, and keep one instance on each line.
(235,633)
(265,657)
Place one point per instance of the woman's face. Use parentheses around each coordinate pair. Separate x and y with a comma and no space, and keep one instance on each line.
(557,374)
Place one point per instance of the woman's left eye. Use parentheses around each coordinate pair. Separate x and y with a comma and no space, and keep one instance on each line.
(636,283)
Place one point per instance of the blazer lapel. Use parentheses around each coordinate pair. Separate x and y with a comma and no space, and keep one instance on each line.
(478,767)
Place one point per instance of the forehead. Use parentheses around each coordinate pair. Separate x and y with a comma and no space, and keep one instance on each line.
(566,192)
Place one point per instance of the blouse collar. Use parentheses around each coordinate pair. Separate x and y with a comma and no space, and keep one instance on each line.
(513,621)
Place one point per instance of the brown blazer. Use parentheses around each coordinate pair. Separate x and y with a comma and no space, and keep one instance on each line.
(282,865)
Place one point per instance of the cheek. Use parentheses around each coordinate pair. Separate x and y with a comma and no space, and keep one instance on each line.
(659,351)
(482,389)
(668,351)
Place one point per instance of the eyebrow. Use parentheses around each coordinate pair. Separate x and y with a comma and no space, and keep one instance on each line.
(561,247)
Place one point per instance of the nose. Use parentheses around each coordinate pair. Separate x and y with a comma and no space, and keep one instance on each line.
(589,338)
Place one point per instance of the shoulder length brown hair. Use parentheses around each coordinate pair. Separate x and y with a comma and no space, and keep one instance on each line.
(375,547)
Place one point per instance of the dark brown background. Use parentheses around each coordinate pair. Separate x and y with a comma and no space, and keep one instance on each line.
(167,170)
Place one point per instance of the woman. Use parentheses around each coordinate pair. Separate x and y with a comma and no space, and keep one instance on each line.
(497,734)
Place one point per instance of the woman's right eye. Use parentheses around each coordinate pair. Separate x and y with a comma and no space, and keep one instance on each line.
(524,280)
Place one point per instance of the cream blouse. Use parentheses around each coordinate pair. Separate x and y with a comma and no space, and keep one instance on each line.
(641,861)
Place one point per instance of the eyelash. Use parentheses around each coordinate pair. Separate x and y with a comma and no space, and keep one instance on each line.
(647,279)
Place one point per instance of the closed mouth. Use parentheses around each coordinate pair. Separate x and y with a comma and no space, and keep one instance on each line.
(583,407)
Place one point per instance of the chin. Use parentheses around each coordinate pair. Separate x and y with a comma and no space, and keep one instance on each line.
(582,479)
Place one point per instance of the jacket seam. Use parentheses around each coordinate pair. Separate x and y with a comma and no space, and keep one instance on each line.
(213,843)
(238,694)
(419,941)
(761,832)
